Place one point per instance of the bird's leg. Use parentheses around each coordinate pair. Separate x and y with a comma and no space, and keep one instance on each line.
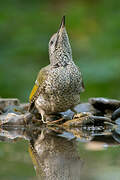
(42,115)
(43,118)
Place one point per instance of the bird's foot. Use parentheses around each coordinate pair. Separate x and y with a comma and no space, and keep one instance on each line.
(43,119)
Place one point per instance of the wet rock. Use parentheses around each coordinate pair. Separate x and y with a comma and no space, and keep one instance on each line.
(104,104)
(4,102)
(21,109)
(80,108)
(116,114)
(117,121)
(15,119)
(82,119)
(84,107)
(67,114)
(14,113)
(14,109)
(116,134)
(24,106)
(78,120)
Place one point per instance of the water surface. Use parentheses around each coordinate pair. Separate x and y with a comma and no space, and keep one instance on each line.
(87,153)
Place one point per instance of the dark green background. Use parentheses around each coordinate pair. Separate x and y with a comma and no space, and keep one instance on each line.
(94,31)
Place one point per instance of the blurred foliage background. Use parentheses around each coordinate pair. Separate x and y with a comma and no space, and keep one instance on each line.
(25,29)
(94,31)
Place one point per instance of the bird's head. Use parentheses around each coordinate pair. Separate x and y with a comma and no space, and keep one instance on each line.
(59,46)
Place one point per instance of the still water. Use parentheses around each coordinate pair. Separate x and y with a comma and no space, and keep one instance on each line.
(85,153)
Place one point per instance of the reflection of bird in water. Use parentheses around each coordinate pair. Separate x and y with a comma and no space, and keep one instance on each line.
(55,157)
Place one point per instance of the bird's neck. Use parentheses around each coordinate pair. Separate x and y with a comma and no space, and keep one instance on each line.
(61,58)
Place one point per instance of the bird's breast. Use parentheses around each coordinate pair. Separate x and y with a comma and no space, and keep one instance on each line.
(62,89)
(64,80)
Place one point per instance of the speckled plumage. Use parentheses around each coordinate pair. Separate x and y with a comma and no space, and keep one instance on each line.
(60,83)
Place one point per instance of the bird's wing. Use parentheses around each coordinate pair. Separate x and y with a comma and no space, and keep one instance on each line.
(39,85)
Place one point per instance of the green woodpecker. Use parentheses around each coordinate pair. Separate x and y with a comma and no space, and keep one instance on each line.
(58,85)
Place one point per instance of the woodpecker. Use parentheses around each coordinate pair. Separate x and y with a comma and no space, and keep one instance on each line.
(58,85)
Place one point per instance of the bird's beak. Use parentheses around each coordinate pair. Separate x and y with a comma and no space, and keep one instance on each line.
(62,25)
(61,29)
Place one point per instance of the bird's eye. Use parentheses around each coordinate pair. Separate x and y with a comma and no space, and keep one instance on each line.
(51,42)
